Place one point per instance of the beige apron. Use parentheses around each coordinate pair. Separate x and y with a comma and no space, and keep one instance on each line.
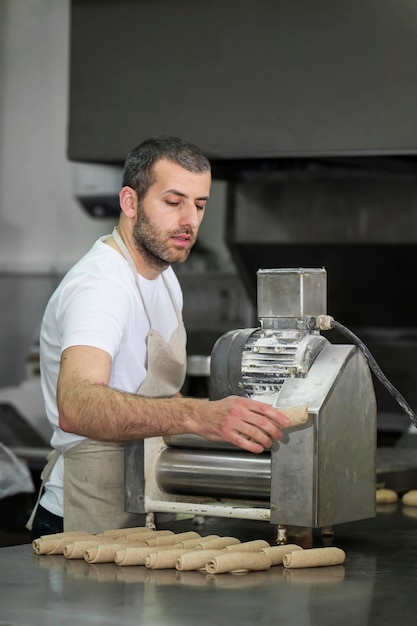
(94,476)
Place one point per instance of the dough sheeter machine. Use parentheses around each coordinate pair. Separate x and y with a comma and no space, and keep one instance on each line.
(322,472)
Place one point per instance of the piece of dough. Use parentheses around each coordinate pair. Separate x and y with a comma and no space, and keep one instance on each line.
(64,535)
(54,544)
(277,553)
(164,559)
(297,414)
(76,549)
(248,546)
(314,557)
(238,562)
(410,498)
(195,560)
(195,543)
(131,554)
(103,552)
(386,496)
(172,539)
(139,537)
(118,532)
(217,543)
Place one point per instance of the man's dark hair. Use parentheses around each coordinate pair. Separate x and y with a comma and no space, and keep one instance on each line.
(139,166)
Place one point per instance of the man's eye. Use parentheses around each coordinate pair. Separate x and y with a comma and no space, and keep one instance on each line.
(201,207)
(172,203)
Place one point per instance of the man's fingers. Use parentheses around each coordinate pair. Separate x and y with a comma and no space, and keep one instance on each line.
(277,416)
(263,433)
(247,444)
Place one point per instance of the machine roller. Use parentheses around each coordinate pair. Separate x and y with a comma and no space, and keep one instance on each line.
(323,472)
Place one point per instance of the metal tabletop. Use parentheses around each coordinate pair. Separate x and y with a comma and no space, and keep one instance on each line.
(375,586)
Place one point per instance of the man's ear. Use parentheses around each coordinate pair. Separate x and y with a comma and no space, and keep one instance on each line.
(128,202)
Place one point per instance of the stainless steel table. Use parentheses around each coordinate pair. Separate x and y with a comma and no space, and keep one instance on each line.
(377,584)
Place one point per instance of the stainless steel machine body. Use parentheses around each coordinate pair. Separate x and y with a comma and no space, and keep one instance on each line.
(321,473)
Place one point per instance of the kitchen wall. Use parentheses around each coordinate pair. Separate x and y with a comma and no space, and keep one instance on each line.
(43,229)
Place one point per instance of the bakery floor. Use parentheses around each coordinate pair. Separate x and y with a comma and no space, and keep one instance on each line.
(375,586)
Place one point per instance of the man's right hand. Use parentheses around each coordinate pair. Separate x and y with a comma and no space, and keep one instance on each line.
(249,424)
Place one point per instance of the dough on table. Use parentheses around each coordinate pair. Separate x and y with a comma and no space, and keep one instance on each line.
(314,557)
(195,543)
(54,544)
(166,540)
(76,549)
(103,552)
(217,543)
(277,553)
(410,498)
(136,554)
(248,546)
(196,560)
(121,532)
(164,559)
(386,496)
(238,562)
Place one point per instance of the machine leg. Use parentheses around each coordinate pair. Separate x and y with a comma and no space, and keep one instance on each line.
(281,535)
(327,534)
(150,521)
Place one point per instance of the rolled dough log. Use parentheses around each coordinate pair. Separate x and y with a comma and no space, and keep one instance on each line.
(54,544)
(143,537)
(195,560)
(131,554)
(277,553)
(103,552)
(238,562)
(195,543)
(164,559)
(117,532)
(248,546)
(314,557)
(172,539)
(76,549)
(64,535)
(218,543)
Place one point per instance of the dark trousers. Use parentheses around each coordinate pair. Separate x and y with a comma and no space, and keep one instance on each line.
(46,523)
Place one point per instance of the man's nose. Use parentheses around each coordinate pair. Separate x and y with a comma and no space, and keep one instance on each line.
(190,216)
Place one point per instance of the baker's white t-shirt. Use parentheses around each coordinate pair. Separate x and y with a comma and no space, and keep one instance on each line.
(98,304)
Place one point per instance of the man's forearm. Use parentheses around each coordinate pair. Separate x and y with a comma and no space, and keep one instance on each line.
(105,414)
(99,412)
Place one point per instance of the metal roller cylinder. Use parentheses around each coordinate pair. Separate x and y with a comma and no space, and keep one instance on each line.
(197,442)
(237,475)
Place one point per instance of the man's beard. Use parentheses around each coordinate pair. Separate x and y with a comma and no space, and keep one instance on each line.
(153,244)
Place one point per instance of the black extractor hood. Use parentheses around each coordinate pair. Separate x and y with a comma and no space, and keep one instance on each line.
(308,109)
(254,80)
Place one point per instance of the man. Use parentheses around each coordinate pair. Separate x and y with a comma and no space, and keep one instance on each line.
(112,348)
